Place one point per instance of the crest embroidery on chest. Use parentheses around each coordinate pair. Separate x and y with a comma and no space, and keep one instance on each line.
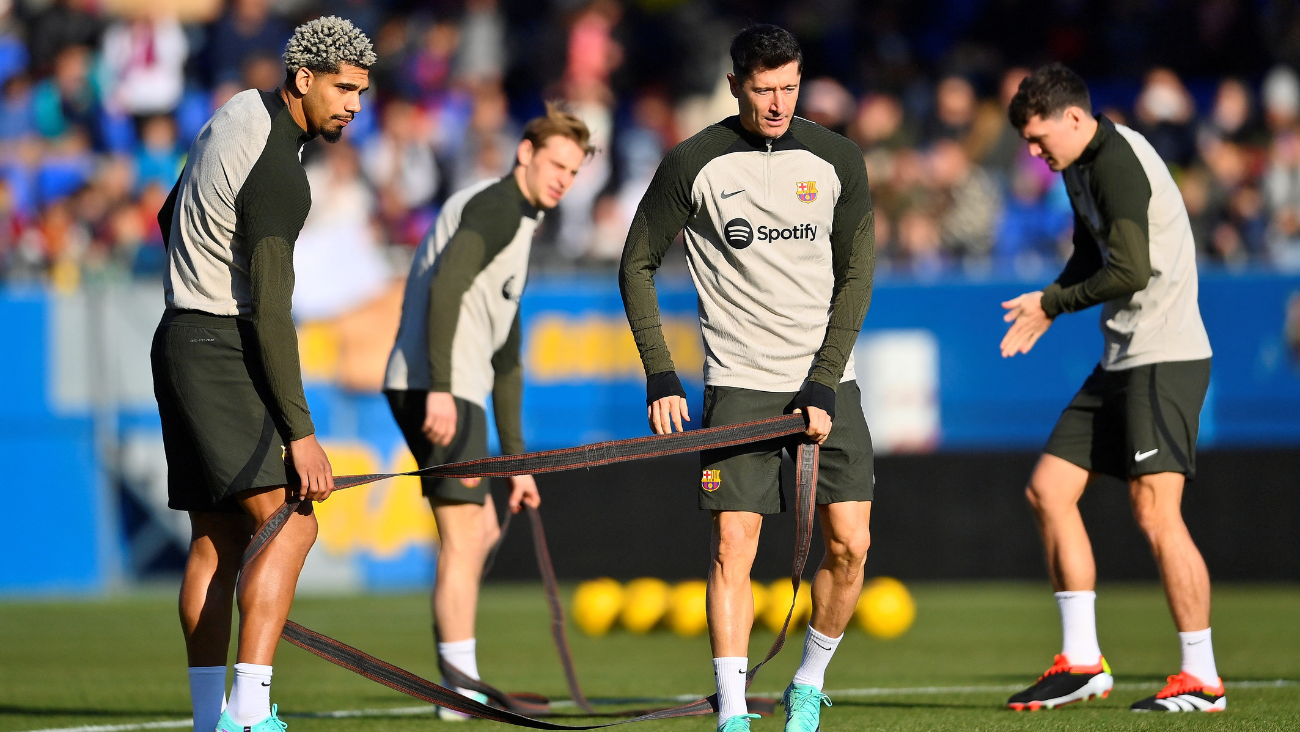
(806,191)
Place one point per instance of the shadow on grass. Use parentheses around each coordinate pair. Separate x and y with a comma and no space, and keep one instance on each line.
(82,712)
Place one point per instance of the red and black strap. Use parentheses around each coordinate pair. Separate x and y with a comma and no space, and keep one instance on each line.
(515,708)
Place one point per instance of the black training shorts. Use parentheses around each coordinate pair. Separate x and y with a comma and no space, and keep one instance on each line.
(212,393)
(469,443)
(747,477)
(1135,422)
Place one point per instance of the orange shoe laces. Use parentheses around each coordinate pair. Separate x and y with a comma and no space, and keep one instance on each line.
(1060,665)
(1184,683)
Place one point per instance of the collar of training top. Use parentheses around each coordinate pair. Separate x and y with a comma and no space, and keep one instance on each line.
(274,102)
(1105,128)
(747,141)
(525,208)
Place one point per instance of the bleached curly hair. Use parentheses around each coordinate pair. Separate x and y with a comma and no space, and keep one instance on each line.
(325,43)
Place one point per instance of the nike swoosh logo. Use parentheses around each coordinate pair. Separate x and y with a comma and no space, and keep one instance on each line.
(824,648)
(726,195)
(1139,456)
(266,683)
(1195,642)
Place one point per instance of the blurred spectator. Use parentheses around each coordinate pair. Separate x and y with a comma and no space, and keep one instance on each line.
(879,124)
(1233,116)
(337,259)
(17,115)
(954,110)
(488,150)
(145,62)
(1281,98)
(1282,194)
(159,159)
(248,28)
(1165,116)
(482,57)
(971,201)
(399,161)
(68,98)
(60,25)
(827,103)
(428,70)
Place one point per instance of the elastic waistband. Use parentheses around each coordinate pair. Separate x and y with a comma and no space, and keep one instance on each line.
(200,319)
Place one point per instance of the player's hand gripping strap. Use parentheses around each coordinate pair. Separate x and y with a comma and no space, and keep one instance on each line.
(603,453)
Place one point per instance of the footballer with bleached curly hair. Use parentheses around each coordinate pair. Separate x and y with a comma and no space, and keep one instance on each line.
(236,426)
(327,64)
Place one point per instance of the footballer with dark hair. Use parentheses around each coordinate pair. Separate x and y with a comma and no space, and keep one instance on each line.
(1136,417)
(780,241)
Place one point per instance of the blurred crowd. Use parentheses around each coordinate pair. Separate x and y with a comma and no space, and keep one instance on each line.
(100,99)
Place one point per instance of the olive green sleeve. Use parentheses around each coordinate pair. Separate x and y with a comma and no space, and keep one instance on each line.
(271,277)
(168,211)
(853,260)
(1122,193)
(508,391)
(488,223)
(663,211)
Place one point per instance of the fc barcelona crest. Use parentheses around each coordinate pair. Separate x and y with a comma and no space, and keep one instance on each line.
(806,190)
(712,480)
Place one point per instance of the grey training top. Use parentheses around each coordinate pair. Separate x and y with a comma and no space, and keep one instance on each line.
(780,241)
(230,225)
(1133,251)
(460,330)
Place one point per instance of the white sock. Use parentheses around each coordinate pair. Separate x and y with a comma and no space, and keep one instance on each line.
(730,673)
(1198,656)
(207,696)
(250,696)
(1079,627)
(817,652)
(461,656)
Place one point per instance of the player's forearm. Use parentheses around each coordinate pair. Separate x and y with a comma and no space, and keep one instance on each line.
(272,280)
(507,407)
(1127,270)
(850,301)
(460,263)
(642,255)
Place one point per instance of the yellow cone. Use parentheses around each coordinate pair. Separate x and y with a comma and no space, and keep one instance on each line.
(885,608)
(596,605)
(645,601)
(778,604)
(687,614)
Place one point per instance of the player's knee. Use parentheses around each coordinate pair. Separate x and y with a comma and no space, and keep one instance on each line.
(850,550)
(736,544)
(1044,500)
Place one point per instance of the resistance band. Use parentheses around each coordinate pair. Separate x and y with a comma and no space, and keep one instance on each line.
(516,708)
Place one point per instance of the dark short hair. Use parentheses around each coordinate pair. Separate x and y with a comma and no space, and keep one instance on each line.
(762,46)
(1046,93)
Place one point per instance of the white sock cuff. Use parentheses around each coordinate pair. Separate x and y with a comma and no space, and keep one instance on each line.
(467,645)
(207,670)
(1070,594)
(730,662)
(826,639)
(1194,636)
(252,669)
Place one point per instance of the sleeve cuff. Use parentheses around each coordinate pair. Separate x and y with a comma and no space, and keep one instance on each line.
(814,394)
(1051,301)
(663,384)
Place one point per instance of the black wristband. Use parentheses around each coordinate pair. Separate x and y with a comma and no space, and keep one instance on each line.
(663,384)
(817,395)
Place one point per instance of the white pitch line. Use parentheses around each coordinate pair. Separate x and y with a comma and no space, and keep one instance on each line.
(566,704)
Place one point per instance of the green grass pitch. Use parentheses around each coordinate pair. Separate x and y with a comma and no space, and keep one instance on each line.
(121,662)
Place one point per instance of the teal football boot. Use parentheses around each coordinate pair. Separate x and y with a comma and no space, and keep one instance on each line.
(451,715)
(738,723)
(270,724)
(803,707)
